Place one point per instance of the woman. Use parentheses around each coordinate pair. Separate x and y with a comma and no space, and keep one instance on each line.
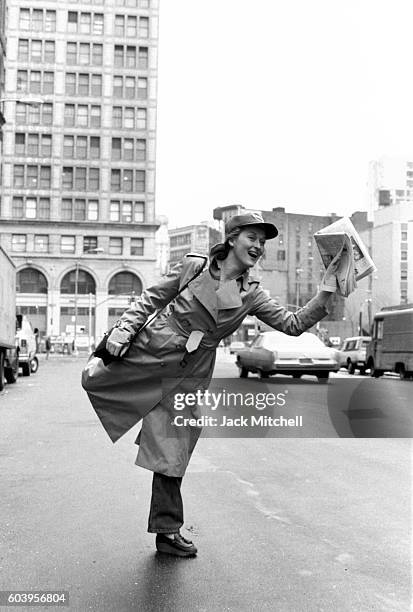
(177,354)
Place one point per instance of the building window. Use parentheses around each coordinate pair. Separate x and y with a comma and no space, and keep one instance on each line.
(80,179)
(79,209)
(41,243)
(136,246)
(85,23)
(67,244)
(37,20)
(128,149)
(143,27)
(30,208)
(126,211)
(403,255)
(127,180)
(115,246)
(143,58)
(280,255)
(84,54)
(90,243)
(125,283)
(81,147)
(83,84)
(32,177)
(35,81)
(18,243)
(82,115)
(129,87)
(404,236)
(36,51)
(129,118)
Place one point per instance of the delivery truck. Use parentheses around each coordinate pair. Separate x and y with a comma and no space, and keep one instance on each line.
(9,354)
(391,346)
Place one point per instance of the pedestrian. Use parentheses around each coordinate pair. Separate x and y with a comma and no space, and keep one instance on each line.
(47,346)
(179,347)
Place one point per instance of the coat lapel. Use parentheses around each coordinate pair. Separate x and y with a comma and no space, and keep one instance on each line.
(203,288)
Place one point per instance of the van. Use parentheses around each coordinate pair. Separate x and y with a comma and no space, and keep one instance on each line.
(26,341)
(391,346)
(353,354)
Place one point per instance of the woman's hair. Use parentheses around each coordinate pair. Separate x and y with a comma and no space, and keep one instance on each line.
(220,251)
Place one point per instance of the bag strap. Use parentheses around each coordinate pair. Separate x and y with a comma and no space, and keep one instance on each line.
(181,290)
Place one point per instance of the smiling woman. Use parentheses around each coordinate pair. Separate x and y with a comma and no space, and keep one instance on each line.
(176,354)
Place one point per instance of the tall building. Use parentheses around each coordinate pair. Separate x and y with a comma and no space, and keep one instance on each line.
(393,256)
(78,197)
(390,182)
(2,61)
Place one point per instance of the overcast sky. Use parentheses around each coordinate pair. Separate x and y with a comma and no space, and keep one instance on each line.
(267,103)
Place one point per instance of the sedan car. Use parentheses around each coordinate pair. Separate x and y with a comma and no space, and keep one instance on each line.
(276,353)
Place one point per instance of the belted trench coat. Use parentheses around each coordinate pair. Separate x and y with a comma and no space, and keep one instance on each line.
(157,365)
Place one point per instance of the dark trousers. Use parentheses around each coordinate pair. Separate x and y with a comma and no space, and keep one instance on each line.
(167,513)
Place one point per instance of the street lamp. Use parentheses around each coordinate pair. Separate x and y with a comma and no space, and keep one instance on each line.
(94,251)
(297,288)
(29,101)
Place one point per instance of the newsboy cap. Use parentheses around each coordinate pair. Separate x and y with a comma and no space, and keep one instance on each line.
(251,218)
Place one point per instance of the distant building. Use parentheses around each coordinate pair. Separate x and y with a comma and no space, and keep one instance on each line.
(191,238)
(393,255)
(390,182)
(78,195)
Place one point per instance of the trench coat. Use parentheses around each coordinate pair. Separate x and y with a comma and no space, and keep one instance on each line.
(157,364)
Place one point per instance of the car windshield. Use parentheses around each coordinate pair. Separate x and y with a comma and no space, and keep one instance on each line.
(273,339)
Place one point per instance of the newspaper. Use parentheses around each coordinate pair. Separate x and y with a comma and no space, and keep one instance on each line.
(340,243)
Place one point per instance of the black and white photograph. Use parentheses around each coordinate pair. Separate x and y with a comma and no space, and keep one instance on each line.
(206,305)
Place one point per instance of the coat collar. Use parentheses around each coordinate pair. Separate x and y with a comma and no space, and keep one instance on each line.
(225,297)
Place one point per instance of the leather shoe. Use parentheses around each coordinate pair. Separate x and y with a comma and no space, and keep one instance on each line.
(178,546)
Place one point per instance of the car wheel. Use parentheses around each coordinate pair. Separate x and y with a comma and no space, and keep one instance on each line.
(263,374)
(362,371)
(323,377)
(243,372)
(34,365)
(351,367)
(26,369)
(1,371)
(12,373)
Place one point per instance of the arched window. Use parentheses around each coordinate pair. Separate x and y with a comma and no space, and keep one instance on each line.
(85,283)
(125,283)
(30,280)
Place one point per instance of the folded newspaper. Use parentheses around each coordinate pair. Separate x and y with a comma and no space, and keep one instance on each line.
(340,242)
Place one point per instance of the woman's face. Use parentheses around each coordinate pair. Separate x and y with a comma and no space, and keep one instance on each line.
(248,246)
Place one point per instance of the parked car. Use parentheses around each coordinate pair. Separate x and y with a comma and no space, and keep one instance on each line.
(26,341)
(237,346)
(276,353)
(353,354)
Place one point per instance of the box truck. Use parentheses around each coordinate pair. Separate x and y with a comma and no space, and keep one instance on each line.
(391,346)
(9,354)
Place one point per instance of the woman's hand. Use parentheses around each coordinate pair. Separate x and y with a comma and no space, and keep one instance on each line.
(118,342)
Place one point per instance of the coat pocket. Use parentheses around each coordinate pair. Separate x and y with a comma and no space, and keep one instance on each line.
(163,340)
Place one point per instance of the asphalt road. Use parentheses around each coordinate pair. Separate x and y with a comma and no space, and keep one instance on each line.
(314,522)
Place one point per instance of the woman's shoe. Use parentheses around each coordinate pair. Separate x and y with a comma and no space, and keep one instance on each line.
(178,546)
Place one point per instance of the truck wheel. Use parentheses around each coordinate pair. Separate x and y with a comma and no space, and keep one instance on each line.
(34,365)
(1,370)
(351,367)
(403,374)
(374,372)
(243,372)
(26,369)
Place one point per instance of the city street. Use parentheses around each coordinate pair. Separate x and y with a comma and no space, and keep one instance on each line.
(287,521)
